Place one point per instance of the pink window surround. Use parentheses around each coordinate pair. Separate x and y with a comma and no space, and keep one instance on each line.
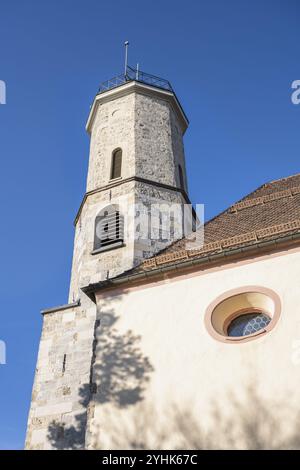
(224,338)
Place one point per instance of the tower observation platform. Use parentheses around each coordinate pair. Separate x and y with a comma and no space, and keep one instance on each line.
(136,75)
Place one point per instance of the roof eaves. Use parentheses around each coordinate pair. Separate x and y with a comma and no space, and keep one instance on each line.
(207,259)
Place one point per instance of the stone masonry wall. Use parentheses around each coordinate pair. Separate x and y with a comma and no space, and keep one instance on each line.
(152,198)
(178,149)
(158,140)
(147,130)
(113,128)
(57,418)
(90,268)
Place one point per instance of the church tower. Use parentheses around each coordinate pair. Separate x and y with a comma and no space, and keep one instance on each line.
(136,126)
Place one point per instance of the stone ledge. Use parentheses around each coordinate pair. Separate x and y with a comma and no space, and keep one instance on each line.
(60,307)
(136,179)
(110,247)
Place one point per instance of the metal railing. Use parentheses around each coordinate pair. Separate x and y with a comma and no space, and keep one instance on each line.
(138,76)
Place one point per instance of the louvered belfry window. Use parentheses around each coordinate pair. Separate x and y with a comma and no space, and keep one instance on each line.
(116,166)
(109,228)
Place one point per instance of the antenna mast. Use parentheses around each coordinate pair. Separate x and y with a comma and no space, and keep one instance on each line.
(126,57)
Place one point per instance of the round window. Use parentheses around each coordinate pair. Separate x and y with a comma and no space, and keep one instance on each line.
(247,324)
(243,314)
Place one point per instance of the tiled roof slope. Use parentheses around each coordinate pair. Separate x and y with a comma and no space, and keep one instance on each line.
(270,212)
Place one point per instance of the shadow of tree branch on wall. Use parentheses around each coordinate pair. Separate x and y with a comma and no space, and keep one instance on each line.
(252,424)
(121,371)
(119,374)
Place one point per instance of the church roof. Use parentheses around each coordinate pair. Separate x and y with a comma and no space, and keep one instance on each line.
(268,213)
(268,219)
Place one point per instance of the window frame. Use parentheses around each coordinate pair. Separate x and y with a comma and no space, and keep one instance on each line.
(244,312)
(112,166)
(224,338)
(118,227)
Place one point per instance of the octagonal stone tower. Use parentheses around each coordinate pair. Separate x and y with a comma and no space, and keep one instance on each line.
(136,159)
(145,124)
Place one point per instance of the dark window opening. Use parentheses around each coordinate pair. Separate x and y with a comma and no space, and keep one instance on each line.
(64,363)
(116,166)
(247,324)
(181,179)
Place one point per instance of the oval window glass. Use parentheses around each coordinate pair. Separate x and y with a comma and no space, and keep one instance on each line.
(247,324)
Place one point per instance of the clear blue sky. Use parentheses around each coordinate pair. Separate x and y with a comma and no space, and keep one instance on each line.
(231,64)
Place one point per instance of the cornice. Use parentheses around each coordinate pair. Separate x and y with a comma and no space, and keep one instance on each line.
(128,180)
(137,87)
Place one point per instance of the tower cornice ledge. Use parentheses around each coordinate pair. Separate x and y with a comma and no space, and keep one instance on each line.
(137,87)
(60,307)
(128,180)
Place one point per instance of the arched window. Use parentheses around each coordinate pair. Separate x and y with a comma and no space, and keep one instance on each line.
(116,164)
(109,228)
(181,179)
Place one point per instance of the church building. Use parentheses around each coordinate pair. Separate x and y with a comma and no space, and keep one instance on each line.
(171,338)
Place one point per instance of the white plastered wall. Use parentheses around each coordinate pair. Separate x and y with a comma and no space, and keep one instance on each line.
(224,395)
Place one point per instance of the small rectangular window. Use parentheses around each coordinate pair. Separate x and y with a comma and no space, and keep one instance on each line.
(64,363)
(116,164)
